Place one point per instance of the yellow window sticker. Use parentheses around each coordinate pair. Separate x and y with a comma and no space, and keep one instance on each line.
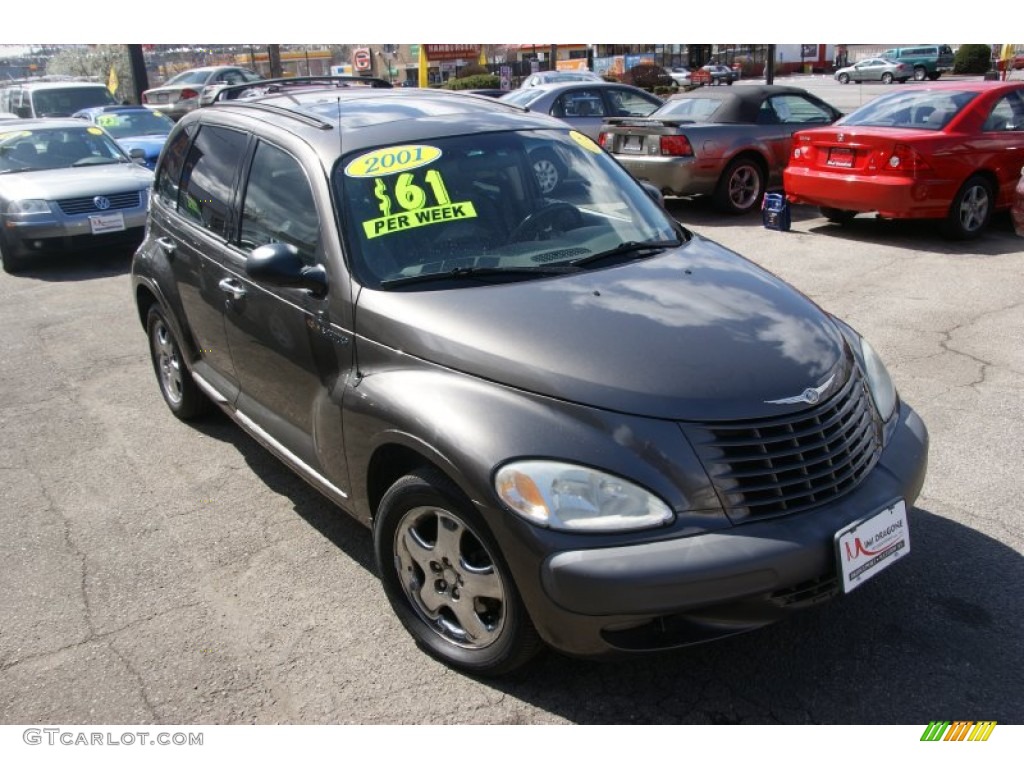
(107,120)
(95,131)
(412,198)
(385,162)
(435,214)
(15,135)
(158,113)
(585,141)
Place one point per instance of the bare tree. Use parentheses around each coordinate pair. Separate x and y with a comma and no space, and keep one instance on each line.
(95,62)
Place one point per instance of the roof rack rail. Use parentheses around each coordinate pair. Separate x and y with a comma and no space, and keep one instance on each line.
(305,117)
(278,85)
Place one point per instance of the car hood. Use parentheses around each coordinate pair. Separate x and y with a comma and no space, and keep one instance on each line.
(697,333)
(63,183)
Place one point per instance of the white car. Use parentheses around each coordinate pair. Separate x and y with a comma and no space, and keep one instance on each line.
(682,75)
(560,76)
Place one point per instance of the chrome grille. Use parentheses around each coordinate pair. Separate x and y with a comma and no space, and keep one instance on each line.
(773,467)
(119,201)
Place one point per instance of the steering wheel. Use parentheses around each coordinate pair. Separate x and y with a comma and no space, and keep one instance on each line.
(566,215)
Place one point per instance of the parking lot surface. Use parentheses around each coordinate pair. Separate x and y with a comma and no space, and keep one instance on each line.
(155,572)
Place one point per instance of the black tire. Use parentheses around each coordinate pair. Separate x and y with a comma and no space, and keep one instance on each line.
(549,170)
(920,74)
(428,575)
(844,78)
(179,391)
(903,80)
(837,215)
(934,76)
(971,209)
(11,264)
(887,78)
(741,186)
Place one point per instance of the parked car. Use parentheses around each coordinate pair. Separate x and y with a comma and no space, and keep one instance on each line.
(560,76)
(721,74)
(648,76)
(947,151)
(925,61)
(1017,211)
(871,70)
(681,76)
(31,99)
(728,144)
(180,94)
(140,132)
(65,186)
(565,418)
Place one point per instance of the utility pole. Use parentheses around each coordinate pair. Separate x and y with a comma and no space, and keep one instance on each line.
(139,78)
(554,57)
(274,55)
(769,67)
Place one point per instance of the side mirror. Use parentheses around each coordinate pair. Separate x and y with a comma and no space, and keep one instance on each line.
(654,193)
(279,264)
(137,155)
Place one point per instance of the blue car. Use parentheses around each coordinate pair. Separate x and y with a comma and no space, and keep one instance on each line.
(133,128)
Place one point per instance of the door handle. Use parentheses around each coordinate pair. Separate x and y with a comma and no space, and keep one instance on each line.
(232,287)
(167,244)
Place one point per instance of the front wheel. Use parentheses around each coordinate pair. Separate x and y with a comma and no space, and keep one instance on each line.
(971,209)
(934,75)
(445,578)
(844,78)
(887,78)
(741,187)
(11,264)
(920,73)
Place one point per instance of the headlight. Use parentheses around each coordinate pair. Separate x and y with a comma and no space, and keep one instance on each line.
(883,391)
(568,497)
(28,206)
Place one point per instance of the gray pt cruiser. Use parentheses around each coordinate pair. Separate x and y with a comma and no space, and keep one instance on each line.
(567,420)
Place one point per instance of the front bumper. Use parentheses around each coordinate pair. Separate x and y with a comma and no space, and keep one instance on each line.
(673,593)
(50,234)
(893,197)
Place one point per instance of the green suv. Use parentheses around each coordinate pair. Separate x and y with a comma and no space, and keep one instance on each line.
(927,61)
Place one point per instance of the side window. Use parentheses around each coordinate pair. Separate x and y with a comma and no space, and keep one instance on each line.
(208,177)
(628,104)
(792,108)
(168,175)
(579,104)
(279,205)
(231,77)
(1006,115)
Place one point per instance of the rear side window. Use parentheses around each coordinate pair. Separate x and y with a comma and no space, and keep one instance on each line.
(629,104)
(208,177)
(168,175)
(579,104)
(279,205)
(1007,114)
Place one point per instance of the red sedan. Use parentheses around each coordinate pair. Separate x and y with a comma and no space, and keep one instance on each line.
(951,151)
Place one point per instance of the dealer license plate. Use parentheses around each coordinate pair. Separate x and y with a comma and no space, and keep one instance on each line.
(872,545)
(632,144)
(107,222)
(840,158)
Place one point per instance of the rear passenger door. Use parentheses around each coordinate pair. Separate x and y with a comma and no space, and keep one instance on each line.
(292,354)
(191,218)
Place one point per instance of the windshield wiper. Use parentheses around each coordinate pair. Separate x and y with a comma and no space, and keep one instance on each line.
(460,273)
(644,248)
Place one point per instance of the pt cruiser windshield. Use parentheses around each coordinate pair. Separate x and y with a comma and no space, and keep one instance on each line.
(502,205)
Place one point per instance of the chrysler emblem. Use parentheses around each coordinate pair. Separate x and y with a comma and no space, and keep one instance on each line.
(811,395)
(101,202)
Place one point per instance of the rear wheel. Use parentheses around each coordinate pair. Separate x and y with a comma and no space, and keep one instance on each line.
(443,573)
(934,75)
(837,215)
(971,209)
(741,187)
(887,77)
(920,73)
(180,392)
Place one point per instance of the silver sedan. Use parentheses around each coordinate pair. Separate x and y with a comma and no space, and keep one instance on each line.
(875,70)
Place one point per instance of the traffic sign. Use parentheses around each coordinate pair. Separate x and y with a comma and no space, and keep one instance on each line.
(361,59)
